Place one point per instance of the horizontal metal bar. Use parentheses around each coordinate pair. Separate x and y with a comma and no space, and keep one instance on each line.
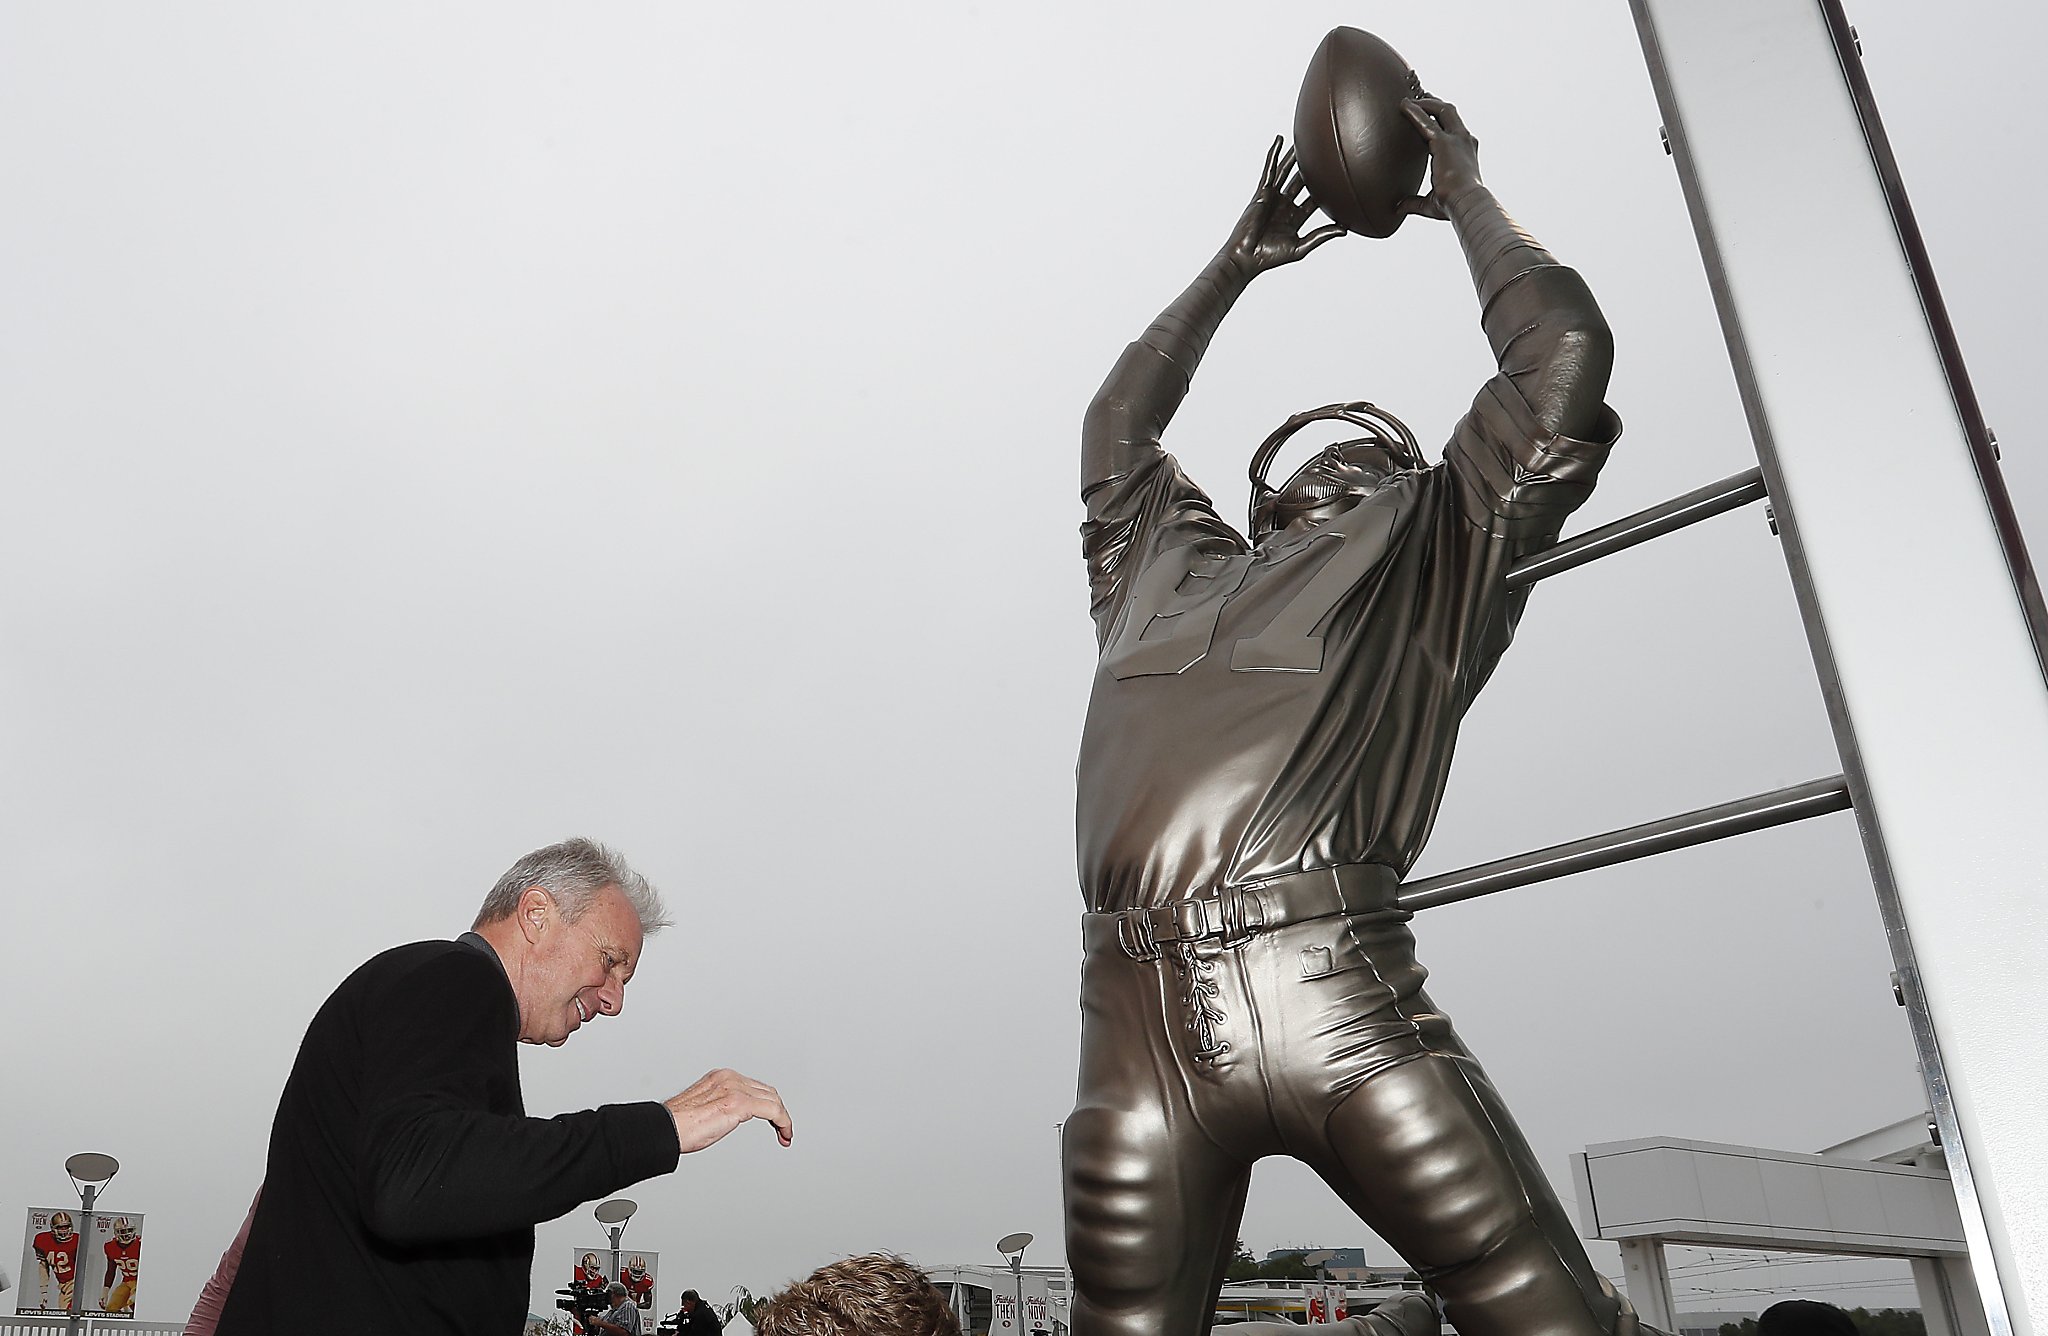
(1777,808)
(1641,527)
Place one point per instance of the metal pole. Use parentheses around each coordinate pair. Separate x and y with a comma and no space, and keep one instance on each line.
(74,1321)
(618,1231)
(1779,807)
(1017,1271)
(1702,503)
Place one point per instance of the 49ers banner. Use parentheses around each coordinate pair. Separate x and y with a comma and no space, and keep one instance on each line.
(77,1263)
(637,1269)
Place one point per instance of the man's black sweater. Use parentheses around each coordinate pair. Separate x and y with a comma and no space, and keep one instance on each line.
(404,1178)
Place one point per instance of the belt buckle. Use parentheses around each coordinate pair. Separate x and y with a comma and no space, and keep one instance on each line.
(1134,935)
(1241,914)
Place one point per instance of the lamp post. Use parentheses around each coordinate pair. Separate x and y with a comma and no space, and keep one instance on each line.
(613,1215)
(90,1173)
(1013,1246)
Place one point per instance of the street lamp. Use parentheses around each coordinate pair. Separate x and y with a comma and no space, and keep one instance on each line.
(1013,1246)
(613,1215)
(90,1172)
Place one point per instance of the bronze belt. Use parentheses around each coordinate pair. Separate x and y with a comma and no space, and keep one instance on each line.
(1236,914)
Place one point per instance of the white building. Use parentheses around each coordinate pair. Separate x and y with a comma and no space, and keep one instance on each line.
(1884,1194)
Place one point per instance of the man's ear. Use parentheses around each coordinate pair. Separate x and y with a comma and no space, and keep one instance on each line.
(534,907)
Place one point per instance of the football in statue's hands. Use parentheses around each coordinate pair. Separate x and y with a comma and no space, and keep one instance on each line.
(1357,149)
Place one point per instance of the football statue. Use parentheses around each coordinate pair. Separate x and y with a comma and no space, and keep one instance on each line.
(1268,736)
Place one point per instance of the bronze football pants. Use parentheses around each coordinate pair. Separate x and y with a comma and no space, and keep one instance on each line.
(1313,1040)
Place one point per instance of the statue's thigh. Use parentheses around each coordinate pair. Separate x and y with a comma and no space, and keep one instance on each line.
(1152,1201)
(1428,1157)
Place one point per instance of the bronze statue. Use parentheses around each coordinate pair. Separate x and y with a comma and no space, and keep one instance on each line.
(1267,741)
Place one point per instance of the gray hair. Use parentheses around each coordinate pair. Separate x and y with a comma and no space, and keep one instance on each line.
(616,1291)
(573,873)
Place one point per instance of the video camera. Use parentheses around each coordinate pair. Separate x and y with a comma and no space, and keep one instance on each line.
(583,1300)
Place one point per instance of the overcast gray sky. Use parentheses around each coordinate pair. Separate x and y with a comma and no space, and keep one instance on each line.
(435,430)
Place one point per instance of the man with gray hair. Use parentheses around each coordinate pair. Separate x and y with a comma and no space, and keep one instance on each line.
(404,1178)
(623,1318)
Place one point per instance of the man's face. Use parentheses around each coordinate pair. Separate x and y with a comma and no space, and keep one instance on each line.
(60,1225)
(124,1230)
(575,971)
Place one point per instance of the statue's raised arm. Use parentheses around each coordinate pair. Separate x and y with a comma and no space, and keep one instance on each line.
(1540,318)
(1130,486)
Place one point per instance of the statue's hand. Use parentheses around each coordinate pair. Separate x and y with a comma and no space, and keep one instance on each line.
(1269,233)
(1453,155)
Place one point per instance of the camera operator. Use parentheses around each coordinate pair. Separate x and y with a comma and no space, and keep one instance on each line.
(622,1318)
(697,1318)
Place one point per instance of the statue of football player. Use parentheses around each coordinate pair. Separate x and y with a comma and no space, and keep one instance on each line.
(1267,741)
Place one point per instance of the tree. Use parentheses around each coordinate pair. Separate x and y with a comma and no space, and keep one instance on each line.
(1889,1322)
(743,1302)
(1287,1266)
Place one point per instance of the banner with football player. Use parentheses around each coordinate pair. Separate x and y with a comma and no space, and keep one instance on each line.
(51,1250)
(637,1268)
(637,1274)
(72,1262)
(593,1268)
(1327,1302)
(112,1264)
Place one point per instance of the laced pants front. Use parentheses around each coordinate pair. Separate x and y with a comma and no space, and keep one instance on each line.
(1312,1040)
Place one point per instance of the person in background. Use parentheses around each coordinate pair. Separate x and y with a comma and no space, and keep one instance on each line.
(623,1318)
(1804,1317)
(206,1309)
(873,1295)
(697,1318)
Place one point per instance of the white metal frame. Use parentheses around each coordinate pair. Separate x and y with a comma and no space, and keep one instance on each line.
(1924,617)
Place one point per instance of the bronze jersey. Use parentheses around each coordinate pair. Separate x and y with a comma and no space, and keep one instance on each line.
(1263,710)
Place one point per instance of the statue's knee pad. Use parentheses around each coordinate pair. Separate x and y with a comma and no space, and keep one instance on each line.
(1121,1202)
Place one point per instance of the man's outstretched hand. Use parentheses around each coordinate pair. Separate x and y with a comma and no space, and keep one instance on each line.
(1269,233)
(720,1101)
(1453,155)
